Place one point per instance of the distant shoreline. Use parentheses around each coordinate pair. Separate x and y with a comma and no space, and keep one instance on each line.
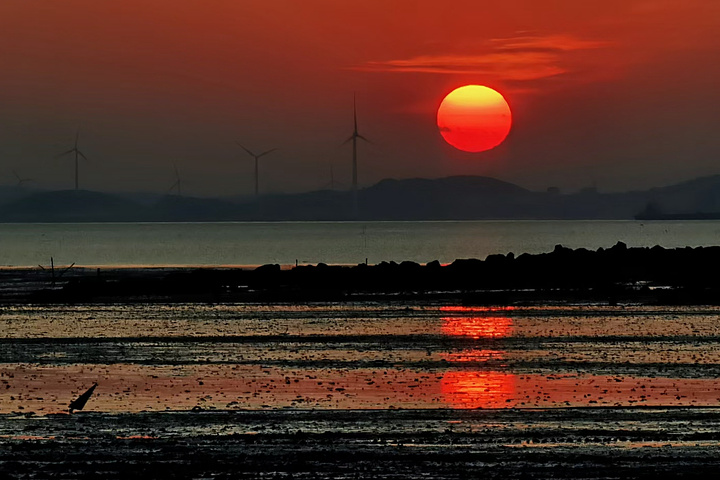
(679,216)
(448,198)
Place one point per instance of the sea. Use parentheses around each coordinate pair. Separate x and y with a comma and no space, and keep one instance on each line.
(288,243)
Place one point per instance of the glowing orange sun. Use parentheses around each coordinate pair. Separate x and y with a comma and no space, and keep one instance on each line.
(474,118)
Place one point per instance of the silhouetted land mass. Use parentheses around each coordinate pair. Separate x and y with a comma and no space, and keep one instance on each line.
(68,206)
(653,211)
(452,198)
(617,274)
(175,208)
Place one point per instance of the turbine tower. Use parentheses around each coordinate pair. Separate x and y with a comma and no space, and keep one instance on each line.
(333,183)
(77,153)
(353,138)
(256,157)
(176,185)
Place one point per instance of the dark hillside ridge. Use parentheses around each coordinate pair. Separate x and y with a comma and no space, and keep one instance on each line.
(451,198)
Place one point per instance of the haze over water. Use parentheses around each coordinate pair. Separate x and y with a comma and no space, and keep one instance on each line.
(158,244)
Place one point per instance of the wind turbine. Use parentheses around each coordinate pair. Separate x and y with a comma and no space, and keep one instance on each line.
(332,183)
(353,138)
(77,153)
(176,185)
(256,157)
(21,181)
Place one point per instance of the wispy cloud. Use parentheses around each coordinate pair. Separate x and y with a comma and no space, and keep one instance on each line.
(510,66)
(515,59)
(549,43)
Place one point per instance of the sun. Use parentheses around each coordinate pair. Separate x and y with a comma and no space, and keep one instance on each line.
(474,118)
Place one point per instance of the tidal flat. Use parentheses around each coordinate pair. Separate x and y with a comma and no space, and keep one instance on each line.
(359,390)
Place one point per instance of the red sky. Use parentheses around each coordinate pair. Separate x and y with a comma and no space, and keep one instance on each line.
(622,93)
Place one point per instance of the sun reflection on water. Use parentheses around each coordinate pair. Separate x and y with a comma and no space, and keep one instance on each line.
(470,389)
(473,389)
(477,327)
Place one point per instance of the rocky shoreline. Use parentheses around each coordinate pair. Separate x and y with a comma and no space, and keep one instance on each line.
(680,276)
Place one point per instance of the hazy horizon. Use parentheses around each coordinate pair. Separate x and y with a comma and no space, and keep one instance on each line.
(617,94)
(35,188)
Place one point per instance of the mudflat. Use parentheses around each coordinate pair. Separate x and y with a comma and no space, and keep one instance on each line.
(389,389)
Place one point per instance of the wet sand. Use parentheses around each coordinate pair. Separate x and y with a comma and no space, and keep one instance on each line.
(360,390)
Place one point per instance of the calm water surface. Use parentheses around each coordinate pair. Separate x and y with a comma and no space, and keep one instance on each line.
(330,242)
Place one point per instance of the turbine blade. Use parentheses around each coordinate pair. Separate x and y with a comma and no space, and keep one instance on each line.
(81,154)
(265,153)
(248,151)
(64,153)
(348,140)
(355,112)
(176,184)
(17,176)
(363,138)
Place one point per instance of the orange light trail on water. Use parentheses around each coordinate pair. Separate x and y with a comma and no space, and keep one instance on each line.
(477,327)
(461,309)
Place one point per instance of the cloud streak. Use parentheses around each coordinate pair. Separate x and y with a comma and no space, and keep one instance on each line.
(516,59)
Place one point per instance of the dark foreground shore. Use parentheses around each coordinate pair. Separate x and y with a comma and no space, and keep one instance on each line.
(589,443)
(359,390)
(511,367)
(614,275)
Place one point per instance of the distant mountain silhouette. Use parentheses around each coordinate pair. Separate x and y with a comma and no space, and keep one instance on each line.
(174,208)
(8,193)
(697,196)
(445,198)
(69,206)
(473,184)
(451,198)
